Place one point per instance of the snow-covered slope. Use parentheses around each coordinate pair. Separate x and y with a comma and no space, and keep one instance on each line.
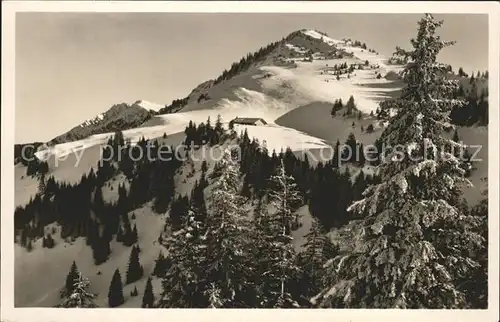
(149,105)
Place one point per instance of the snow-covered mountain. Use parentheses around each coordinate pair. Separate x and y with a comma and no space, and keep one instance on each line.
(305,67)
(118,117)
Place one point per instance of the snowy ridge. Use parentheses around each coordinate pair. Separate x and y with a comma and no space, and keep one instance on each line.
(317,35)
(359,53)
(95,120)
(150,105)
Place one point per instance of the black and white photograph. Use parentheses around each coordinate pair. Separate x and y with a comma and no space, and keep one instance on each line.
(251,160)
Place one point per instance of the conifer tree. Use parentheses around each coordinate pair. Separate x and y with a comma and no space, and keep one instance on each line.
(98,202)
(350,106)
(281,266)
(183,285)
(49,241)
(79,297)
(313,258)
(414,241)
(71,278)
(359,185)
(336,160)
(135,270)
(42,185)
(115,294)
(130,236)
(119,234)
(350,152)
(100,250)
(260,235)
(160,265)
(227,227)
(148,298)
(218,131)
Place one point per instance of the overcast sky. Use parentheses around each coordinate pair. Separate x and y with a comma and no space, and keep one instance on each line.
(72,66)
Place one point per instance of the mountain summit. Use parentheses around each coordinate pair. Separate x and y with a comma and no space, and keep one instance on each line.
(119,117)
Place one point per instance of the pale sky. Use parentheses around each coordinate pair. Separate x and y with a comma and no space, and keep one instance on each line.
(73,66)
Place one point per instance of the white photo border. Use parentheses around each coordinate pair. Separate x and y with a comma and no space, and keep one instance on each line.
(9,10)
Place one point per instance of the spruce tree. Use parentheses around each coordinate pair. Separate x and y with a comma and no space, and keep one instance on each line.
(119,234)
(42,185)
(148,298)
(359,185)
(71,279)
(261,235)
(79,297)
(161,265)
(412,241)
(135,235)
(280,260)
(134,270)
(313,258)
(115,294)
(49,241)
(183,285)
(350,106)
(227,227)
(101,250)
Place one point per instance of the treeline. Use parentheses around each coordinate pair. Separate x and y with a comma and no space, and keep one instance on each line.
(246,62)
(250,59)
(204,133)
(479,74)
(327,188)
(176,105)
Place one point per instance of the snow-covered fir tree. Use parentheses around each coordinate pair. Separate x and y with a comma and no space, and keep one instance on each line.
(71,278)
(183,285)
(80,296)
(279,257)
(411,245)
(227,227)
(318,248)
